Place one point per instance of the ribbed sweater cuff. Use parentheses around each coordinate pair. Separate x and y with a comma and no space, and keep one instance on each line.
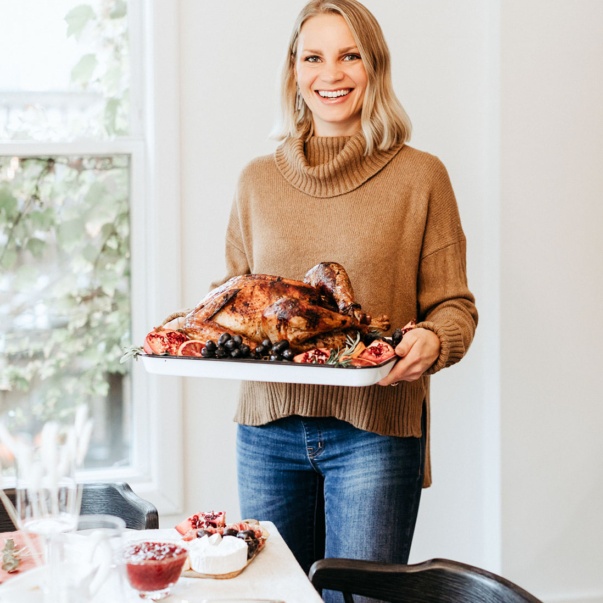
(451,341)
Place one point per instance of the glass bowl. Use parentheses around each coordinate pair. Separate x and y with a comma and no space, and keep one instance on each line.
(153,568)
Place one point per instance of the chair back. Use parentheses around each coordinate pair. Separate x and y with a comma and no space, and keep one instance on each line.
(434,581)
(104,498)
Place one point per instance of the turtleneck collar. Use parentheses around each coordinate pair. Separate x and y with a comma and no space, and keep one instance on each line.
(329,166)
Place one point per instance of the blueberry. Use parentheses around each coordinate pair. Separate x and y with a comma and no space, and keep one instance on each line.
(369,338)
(280,346)
(223,339)
(288,354)
(396,337)
(211,345)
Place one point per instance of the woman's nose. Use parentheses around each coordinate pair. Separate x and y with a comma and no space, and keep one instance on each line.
(332,72)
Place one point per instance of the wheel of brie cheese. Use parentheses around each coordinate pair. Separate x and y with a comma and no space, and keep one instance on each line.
(217,555)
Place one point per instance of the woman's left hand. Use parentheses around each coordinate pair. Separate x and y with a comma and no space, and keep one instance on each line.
(418,350)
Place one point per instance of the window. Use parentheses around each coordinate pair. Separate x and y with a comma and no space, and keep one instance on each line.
(78,176)
(70,78)
(65,293)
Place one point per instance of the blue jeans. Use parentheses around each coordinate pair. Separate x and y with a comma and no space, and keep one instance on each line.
(332,490)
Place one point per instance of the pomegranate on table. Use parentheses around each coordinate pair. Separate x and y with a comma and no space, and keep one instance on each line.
(202,520)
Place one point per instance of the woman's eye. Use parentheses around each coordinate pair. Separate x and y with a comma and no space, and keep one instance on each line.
(351,57)
(312,59)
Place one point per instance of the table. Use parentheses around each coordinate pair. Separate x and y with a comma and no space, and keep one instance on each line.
(273,574)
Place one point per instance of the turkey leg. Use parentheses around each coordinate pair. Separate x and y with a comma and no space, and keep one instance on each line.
(332,280)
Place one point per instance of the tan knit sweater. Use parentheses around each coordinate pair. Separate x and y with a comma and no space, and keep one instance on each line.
(392,221)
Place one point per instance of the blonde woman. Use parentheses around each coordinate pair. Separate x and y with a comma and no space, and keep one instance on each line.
(339,470)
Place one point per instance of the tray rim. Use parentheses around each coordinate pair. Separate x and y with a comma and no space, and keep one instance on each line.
(255,361)
(315,374)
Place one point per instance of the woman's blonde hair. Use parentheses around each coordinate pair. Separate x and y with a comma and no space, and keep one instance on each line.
(384,121)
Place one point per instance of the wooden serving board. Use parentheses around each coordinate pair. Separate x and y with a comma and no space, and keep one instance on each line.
(191,573)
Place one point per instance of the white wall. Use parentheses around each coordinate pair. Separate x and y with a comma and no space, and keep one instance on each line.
(515,425)
(552,296)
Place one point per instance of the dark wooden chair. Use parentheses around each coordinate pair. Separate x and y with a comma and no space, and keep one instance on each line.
(104,498)
(434,581)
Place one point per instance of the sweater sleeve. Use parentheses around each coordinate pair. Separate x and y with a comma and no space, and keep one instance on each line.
(446,305)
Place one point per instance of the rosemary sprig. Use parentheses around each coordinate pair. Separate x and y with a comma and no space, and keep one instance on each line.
(336,355)
(335,358)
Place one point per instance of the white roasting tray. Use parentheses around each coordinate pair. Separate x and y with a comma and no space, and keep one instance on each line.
(264,370)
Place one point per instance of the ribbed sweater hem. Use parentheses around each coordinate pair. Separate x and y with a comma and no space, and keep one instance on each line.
(370,408)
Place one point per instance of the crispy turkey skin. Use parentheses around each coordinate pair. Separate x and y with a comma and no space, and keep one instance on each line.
(260,306)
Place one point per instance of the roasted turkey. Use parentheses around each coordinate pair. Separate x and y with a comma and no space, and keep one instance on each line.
(320,310)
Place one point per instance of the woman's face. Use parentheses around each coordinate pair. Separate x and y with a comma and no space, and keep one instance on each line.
(330,75)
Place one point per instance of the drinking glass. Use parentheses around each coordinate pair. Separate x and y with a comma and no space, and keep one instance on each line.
(47,495)
(47,508)
(91,560)
(153,567)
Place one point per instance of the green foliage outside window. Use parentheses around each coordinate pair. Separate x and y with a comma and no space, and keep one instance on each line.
(102,32)
(64,276)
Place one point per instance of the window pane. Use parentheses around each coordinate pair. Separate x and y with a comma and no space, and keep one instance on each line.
(65,294)
(65,72)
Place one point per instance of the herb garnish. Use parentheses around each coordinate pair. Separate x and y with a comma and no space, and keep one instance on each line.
(10,556)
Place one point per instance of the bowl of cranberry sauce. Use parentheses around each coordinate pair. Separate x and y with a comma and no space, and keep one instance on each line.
(154,567)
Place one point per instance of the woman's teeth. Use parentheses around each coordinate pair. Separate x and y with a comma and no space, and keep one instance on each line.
(333,93)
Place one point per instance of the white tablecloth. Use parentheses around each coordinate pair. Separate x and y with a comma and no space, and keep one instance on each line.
(273,574)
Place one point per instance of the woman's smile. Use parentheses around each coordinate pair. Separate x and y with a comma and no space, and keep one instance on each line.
(333,94)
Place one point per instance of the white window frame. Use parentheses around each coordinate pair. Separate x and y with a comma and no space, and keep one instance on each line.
(156,469)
